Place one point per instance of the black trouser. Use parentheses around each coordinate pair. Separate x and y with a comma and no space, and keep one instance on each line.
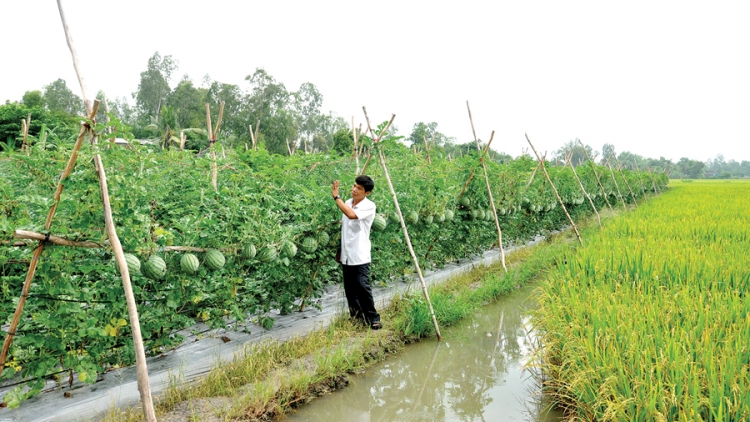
(359,293)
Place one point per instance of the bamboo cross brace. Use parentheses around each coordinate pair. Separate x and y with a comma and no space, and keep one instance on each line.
(632,195)
(596,175)
(471,175)
(212,140)
(612,173)
(428,146)
(25,124)
(489,190)
(55,240)
(374,140)
(533,173)
(583,189)
(254,136)
(554,189)
(40,247)
(401,220)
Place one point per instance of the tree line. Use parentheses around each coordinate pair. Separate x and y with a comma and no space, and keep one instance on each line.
(286,121)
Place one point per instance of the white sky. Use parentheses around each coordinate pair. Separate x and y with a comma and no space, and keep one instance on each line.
(655,78)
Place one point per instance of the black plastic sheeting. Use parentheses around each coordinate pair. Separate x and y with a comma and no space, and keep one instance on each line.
(204,348)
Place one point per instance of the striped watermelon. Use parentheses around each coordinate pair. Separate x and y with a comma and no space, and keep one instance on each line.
(155,268)
(309,245)
(449,215)
(267,254)
(249,251)
(189,263)
(215,260)
(134,264)
(379,223)
(323,238)
(465,201)
(288,248)
(429,219)
(413,217)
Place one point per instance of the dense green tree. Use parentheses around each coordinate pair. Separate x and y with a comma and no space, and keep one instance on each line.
(188,104)
(575,150)
(64,126)
(306,103)
(58,98)
(33,99)
(608,153)
(153,88)
(343,142)
(691,169)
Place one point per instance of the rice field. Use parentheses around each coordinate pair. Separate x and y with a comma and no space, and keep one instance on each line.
(649,320)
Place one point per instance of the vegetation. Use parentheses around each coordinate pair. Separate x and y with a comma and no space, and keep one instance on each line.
(649,321)
(74,319)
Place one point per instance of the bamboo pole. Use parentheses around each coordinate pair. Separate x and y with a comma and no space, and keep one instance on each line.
(612,173)
(533,173)
(56,240)
(632,195)
(383,132)
(356,147)
(596,175)
(640,179)
(598,218)
(40,247)
(554,189)
(653,183)
(141,368)
(489,189)
(401,218)
(471,175)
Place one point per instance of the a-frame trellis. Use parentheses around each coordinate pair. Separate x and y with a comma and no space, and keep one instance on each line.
(87,130)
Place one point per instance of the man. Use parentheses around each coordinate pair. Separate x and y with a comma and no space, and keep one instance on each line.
(359,213)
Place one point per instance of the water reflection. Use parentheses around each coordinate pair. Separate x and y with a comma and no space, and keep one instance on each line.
(475,374)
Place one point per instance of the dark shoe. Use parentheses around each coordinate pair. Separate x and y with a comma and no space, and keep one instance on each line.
(376,325)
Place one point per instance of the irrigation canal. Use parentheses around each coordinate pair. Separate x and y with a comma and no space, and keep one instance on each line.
(477,373)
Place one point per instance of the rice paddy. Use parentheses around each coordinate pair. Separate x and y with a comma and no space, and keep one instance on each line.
(649,320)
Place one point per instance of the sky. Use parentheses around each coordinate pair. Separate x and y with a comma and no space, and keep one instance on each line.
(657,78)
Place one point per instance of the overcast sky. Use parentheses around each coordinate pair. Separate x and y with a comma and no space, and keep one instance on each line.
(655,78)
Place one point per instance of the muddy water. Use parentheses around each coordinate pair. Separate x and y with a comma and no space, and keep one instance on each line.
(475,374)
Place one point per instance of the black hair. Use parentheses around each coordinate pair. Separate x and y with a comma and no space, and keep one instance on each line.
(365,182)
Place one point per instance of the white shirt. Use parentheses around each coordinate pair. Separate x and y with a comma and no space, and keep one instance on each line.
(355,233)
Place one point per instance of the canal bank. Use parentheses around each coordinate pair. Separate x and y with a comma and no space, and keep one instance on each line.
(271,379)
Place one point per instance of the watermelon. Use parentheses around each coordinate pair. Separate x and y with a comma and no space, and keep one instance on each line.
(155,268)
(489,215)
(449,215)
(288,248)
(503,211)
(379,223)
(480,214)
(323,238)
(309,245)
(267,254)
(215,260)
(441,218)
(249,251)
(394,217)
(134,265)
(465,201)
(473,214)
(429,219)
(413,217)
(189,263)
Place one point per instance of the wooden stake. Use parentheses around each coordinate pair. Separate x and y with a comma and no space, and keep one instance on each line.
(596,175)
(583,189)
(374,140)
(183,139)
(141,369)
(619,168)
(544,169)
(489,190)
(471,175)
(612,173)
(653,183)
(401,219)
(640,179)
(533,173)
(211,142)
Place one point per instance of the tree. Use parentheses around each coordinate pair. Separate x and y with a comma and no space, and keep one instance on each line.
(188,104)
(422,131)
(306,104)
(343,142)
(691,169)
(153,88)
(58,98)
(575,150)
(32,99)
(268,102)
(608,153)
